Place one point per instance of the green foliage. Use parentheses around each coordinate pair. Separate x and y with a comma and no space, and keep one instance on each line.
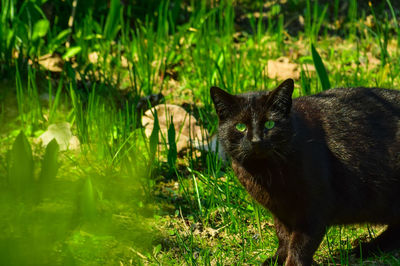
(20,167)
(396,23)
(381,35)
(57,42)
(153,140)
(314,19)
(172,150)
(71,52)
(305,82)
(40,29)
(55,209)
(21,170)
(50,162)
(88,201)
(112,25)
(321,71)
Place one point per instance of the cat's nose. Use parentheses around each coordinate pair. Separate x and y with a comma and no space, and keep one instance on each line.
(255,139)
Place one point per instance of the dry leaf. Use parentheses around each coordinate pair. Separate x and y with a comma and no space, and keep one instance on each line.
(52,62)
(372,61)
(282,69)
(93,57)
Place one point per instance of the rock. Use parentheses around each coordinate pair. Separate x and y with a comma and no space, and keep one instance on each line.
(63,135)
(186,129)
(188,133)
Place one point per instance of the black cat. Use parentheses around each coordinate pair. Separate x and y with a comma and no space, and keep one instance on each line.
(315,161)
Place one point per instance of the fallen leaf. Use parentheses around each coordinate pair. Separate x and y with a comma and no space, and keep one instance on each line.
(372,61)
(52,62)
(282,69)
(63,135)
(93,57)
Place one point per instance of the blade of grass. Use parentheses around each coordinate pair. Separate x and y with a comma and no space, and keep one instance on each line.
(20,175)
(396,23)
(172,151)
(53,104)
(321,71)
(112,25)
(50,162)
(88,201)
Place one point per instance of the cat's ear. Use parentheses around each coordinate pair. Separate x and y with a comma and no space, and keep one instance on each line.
(280,98)
(223,102)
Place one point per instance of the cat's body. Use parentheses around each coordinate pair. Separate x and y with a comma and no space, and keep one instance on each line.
(332,158)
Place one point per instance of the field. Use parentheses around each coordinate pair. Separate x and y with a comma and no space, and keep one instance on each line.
(110,192)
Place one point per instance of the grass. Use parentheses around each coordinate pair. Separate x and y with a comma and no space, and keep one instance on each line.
(122,198)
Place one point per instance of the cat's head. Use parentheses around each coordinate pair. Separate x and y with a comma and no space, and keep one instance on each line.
(255,125)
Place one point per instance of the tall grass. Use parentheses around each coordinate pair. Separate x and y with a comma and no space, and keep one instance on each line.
(314,18)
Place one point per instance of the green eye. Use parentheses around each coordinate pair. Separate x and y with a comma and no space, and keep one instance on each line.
(269,124)
(240,127)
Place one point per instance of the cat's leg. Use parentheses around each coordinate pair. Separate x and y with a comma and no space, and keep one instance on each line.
(389,240)
(283,234)
(302,246)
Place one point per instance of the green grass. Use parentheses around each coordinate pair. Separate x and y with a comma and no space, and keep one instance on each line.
(122,198)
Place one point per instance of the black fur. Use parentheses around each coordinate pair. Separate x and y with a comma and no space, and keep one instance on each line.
(331,158)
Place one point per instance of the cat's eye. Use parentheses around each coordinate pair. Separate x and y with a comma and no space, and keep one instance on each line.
(241,127)
(269,124)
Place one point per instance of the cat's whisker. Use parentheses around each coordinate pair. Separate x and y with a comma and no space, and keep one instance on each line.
(280,155)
